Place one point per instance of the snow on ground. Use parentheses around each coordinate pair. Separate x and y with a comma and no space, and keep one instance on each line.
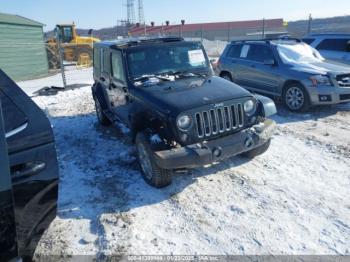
(292,200)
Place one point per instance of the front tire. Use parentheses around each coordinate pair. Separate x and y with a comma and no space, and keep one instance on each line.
(257,151)
(151,172)
(296,98)
(226,76)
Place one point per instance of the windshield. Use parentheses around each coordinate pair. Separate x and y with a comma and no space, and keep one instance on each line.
(166,59)
(298,53)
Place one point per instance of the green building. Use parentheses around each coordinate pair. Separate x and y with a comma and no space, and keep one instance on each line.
(22,48)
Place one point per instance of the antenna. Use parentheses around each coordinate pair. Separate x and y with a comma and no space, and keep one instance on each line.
(141,13)
(131,12)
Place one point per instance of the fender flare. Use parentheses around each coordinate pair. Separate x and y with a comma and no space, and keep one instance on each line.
(268,105)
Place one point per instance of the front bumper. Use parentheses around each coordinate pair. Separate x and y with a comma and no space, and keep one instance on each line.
(208,152)
(329,95)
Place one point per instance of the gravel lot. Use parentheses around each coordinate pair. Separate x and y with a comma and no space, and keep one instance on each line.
(292,200)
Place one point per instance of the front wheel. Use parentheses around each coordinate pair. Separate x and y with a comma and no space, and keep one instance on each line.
(296,98)
(152,173)
(257,151)
(226,76)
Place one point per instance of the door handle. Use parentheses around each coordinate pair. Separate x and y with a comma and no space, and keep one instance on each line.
(102,79)
(125,90)
(21,172)
(113,85)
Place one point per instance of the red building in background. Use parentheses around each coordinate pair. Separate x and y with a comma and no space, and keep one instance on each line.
(215,31)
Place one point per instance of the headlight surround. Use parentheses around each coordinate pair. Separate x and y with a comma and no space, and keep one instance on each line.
(321,80)
(249,107)
(184,122)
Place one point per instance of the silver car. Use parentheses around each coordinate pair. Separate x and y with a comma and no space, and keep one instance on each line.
(286,68)
(331,46)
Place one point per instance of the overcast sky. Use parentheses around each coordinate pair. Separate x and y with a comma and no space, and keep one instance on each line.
(105,13)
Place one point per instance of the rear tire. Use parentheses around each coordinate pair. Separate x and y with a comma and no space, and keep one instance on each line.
(151,172)
(296,98)
(257,151)
(101,117)
(226,76)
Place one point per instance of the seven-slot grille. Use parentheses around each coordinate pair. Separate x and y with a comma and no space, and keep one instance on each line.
(219,120)
(343,80)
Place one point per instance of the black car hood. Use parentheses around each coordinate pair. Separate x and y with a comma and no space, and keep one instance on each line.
(185,94)
(323,68)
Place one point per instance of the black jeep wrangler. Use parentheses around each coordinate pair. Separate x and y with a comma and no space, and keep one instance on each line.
(163,91)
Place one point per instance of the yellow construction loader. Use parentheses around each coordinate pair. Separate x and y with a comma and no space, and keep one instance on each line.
(75,48)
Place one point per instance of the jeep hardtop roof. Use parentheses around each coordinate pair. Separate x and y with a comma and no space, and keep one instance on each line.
(137,41)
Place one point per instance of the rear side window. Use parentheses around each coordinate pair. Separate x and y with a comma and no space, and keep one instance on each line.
(13,116)
(234,51)
(308,40)
(117,66)
(340,45)
(106,61)
(97,59)
(259,53)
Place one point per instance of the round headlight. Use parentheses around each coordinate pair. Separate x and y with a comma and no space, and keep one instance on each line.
(184,122)
(249,107)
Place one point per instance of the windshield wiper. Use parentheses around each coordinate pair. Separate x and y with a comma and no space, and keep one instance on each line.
(148,77)
(184,73)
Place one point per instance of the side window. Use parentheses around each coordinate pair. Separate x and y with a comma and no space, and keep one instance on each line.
(117,66)
(340,45)
(13,116)
(234,51)
(106,61)
(97,59)
(244,51)
(260,53)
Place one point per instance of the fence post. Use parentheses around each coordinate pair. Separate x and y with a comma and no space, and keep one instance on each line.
(228,32)
(263,29)
(202,34)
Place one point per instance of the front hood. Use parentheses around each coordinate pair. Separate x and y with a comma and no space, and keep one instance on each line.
(185,94)
(323,68)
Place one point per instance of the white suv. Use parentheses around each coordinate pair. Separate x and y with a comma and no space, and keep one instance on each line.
(331,46)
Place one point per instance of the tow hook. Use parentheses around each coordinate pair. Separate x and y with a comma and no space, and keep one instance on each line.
(249,142)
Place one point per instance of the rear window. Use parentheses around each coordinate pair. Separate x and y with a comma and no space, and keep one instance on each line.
(340,45)
(308,40)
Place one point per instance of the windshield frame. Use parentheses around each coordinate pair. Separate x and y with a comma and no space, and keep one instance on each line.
(306,59)
(204,69)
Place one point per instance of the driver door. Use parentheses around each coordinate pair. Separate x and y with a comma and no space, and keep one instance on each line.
(119,94)
(8,245)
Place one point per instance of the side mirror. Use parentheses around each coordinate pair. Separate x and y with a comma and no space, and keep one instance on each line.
(269,62)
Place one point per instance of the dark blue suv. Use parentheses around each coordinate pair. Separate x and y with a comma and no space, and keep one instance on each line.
(286,68)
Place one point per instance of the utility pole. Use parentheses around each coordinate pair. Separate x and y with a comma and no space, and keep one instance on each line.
(130,12)
(141,13)
(61,57)
(309,25)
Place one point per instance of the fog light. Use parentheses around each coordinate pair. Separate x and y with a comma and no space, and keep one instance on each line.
(325,98)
